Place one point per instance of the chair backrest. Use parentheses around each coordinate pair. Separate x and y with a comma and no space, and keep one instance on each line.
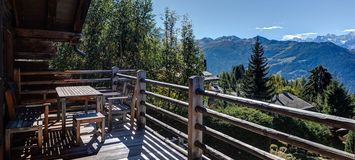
(10,103)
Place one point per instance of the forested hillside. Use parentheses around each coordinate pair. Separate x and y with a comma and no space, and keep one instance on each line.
(289,58)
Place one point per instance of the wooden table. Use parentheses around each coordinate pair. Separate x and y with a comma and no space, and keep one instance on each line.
(77,93)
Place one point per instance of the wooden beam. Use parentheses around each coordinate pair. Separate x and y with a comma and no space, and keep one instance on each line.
(2,103)
(47,34)
(80,15)
(141,108)
(16,14)
(9,54)
(194,118)
(51,13)
(33,55)
(34,45)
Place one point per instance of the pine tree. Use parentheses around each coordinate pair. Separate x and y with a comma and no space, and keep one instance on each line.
(337,101)
(255,84)
(317,83)
(191,53)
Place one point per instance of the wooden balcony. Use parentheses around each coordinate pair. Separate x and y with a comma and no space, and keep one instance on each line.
(146,135)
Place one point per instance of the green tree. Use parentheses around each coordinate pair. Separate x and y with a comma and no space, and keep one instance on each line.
(278,82)
(337,100)
(255,84)
(317,82)
(231,81)
(350,142)
(191,53)
(297,86)
(171,62)
(224,81)
(95,33)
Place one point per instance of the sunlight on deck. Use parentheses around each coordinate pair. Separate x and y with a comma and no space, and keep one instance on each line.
(120,143)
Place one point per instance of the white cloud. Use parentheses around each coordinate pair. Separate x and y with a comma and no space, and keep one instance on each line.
(269,28)
(349,30)
(298,36)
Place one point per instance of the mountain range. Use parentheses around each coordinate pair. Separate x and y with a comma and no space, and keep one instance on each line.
(345,41)
(291,59)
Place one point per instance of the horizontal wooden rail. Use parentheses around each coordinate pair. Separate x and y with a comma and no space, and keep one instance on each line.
(167,127)
(236,143)
(165,84)
(326,119)
(38,92)
(215,153)
(271,133)
(73,72)
(126,76)
(66,81)
(168,113)
(68,72)
(175,101)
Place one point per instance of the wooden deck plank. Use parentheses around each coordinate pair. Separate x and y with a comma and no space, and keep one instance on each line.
(120,143)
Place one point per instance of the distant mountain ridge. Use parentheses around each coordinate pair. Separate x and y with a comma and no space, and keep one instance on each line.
(291,59)
(346,40)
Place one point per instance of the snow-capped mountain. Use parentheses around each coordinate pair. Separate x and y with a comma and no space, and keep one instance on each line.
(346,41)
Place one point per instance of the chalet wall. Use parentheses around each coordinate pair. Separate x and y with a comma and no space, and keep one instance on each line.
(1,82)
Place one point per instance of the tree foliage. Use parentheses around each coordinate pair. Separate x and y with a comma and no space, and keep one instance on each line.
(350,142)
(255,84)
(191,53)
(337,101)
(318,81)
(231,81)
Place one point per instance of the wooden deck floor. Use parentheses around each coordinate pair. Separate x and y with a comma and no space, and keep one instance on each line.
(120,143)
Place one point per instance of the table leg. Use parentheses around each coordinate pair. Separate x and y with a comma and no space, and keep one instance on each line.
(103,130)
(58,109)
(63,103)
(86,105)
(99,103)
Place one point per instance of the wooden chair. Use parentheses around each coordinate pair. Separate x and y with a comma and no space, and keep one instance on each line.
(117,104)
(25,118)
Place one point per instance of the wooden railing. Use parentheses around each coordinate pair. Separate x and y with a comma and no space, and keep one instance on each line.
(39,86)
(196,128)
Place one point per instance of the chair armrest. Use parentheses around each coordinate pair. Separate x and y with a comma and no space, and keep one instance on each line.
(110,94)
(33,105)
(118,98)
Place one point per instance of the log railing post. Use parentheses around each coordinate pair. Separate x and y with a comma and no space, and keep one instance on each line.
(114,78)
(141,97)
(194,117)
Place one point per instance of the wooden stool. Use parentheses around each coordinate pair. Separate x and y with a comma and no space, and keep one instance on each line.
(89,118)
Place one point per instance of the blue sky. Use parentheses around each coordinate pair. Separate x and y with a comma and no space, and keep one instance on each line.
(274,19)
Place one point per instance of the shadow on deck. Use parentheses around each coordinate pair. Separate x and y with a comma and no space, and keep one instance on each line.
(120,143)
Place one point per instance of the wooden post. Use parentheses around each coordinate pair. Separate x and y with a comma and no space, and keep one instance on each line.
(63,105)
(133,106)
(2,89)
(114,79)
(17,79)
(141,109)
(195,100)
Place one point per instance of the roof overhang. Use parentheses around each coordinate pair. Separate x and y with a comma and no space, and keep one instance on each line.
(55,20)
